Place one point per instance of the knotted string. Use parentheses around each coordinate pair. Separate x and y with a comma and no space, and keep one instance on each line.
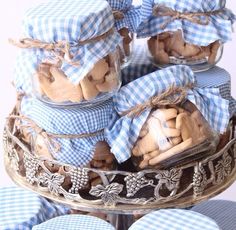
(60,49)
(195,17)
(172,96)
(49,137)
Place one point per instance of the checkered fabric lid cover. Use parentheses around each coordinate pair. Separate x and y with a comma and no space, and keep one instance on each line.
(131,14)
(71,21)
(123,131)
(219,27)
(222,211)
(75,151)
(216,77)
(22,209)
(174,219)
(75,222)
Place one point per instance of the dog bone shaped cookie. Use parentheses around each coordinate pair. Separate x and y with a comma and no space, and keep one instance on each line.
(171,152)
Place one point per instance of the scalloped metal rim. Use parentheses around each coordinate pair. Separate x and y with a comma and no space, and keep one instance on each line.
(222,166)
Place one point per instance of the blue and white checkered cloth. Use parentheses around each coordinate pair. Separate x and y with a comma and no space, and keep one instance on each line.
(216,77)
(73,120)
(70,21)
(131,14)
(219,27)
(175,219)
(123,132)
(75,222)
(222,211)
(20,209)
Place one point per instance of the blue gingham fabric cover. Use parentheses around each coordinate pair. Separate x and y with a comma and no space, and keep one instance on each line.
(219,27)
(73,120)
(175,219)
(20,209)
(131,14)
(75,222)
(216,77)
(123,131)
(222,211)
(69,21)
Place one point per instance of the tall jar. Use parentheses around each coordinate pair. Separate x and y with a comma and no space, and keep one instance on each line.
(190,33)
(72,54)
(127,18)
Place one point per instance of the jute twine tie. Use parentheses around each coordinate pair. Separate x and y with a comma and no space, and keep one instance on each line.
(60,49)
(195,17)
(49,137)
(172,96)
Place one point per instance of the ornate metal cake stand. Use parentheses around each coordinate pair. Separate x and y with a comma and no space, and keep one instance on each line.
(120,192)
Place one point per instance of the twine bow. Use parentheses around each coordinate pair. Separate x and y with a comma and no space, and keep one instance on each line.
(60,49)
(195,17)
(172,96)
(49,138)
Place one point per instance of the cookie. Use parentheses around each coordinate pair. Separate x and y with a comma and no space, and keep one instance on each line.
(99,70)
(110,83)
(165,114)
(213,52)
(58,88)
(187,127)
(88,88)
(171,152)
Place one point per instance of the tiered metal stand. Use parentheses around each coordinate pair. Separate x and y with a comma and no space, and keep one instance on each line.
(121,193)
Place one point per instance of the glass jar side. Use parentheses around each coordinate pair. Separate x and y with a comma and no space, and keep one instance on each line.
(169,48)
(52,86)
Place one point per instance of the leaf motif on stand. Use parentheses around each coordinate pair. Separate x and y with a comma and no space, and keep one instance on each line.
(109,194)
(169,178)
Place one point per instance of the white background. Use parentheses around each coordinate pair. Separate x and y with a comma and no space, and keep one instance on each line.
(10,20)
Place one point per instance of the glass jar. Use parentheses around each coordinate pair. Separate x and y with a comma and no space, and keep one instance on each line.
(126,48)
(52,86)
(173,135)
(169,48)
(72,60)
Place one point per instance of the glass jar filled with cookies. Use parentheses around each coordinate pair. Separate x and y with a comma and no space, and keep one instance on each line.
(183,32)
(70,59)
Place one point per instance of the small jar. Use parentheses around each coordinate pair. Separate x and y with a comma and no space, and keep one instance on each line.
(192,35)
(75,59)
(169,48)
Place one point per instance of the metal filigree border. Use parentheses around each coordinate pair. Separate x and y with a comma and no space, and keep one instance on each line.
(208,177)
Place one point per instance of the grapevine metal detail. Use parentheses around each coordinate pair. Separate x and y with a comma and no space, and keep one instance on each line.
(120,190)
